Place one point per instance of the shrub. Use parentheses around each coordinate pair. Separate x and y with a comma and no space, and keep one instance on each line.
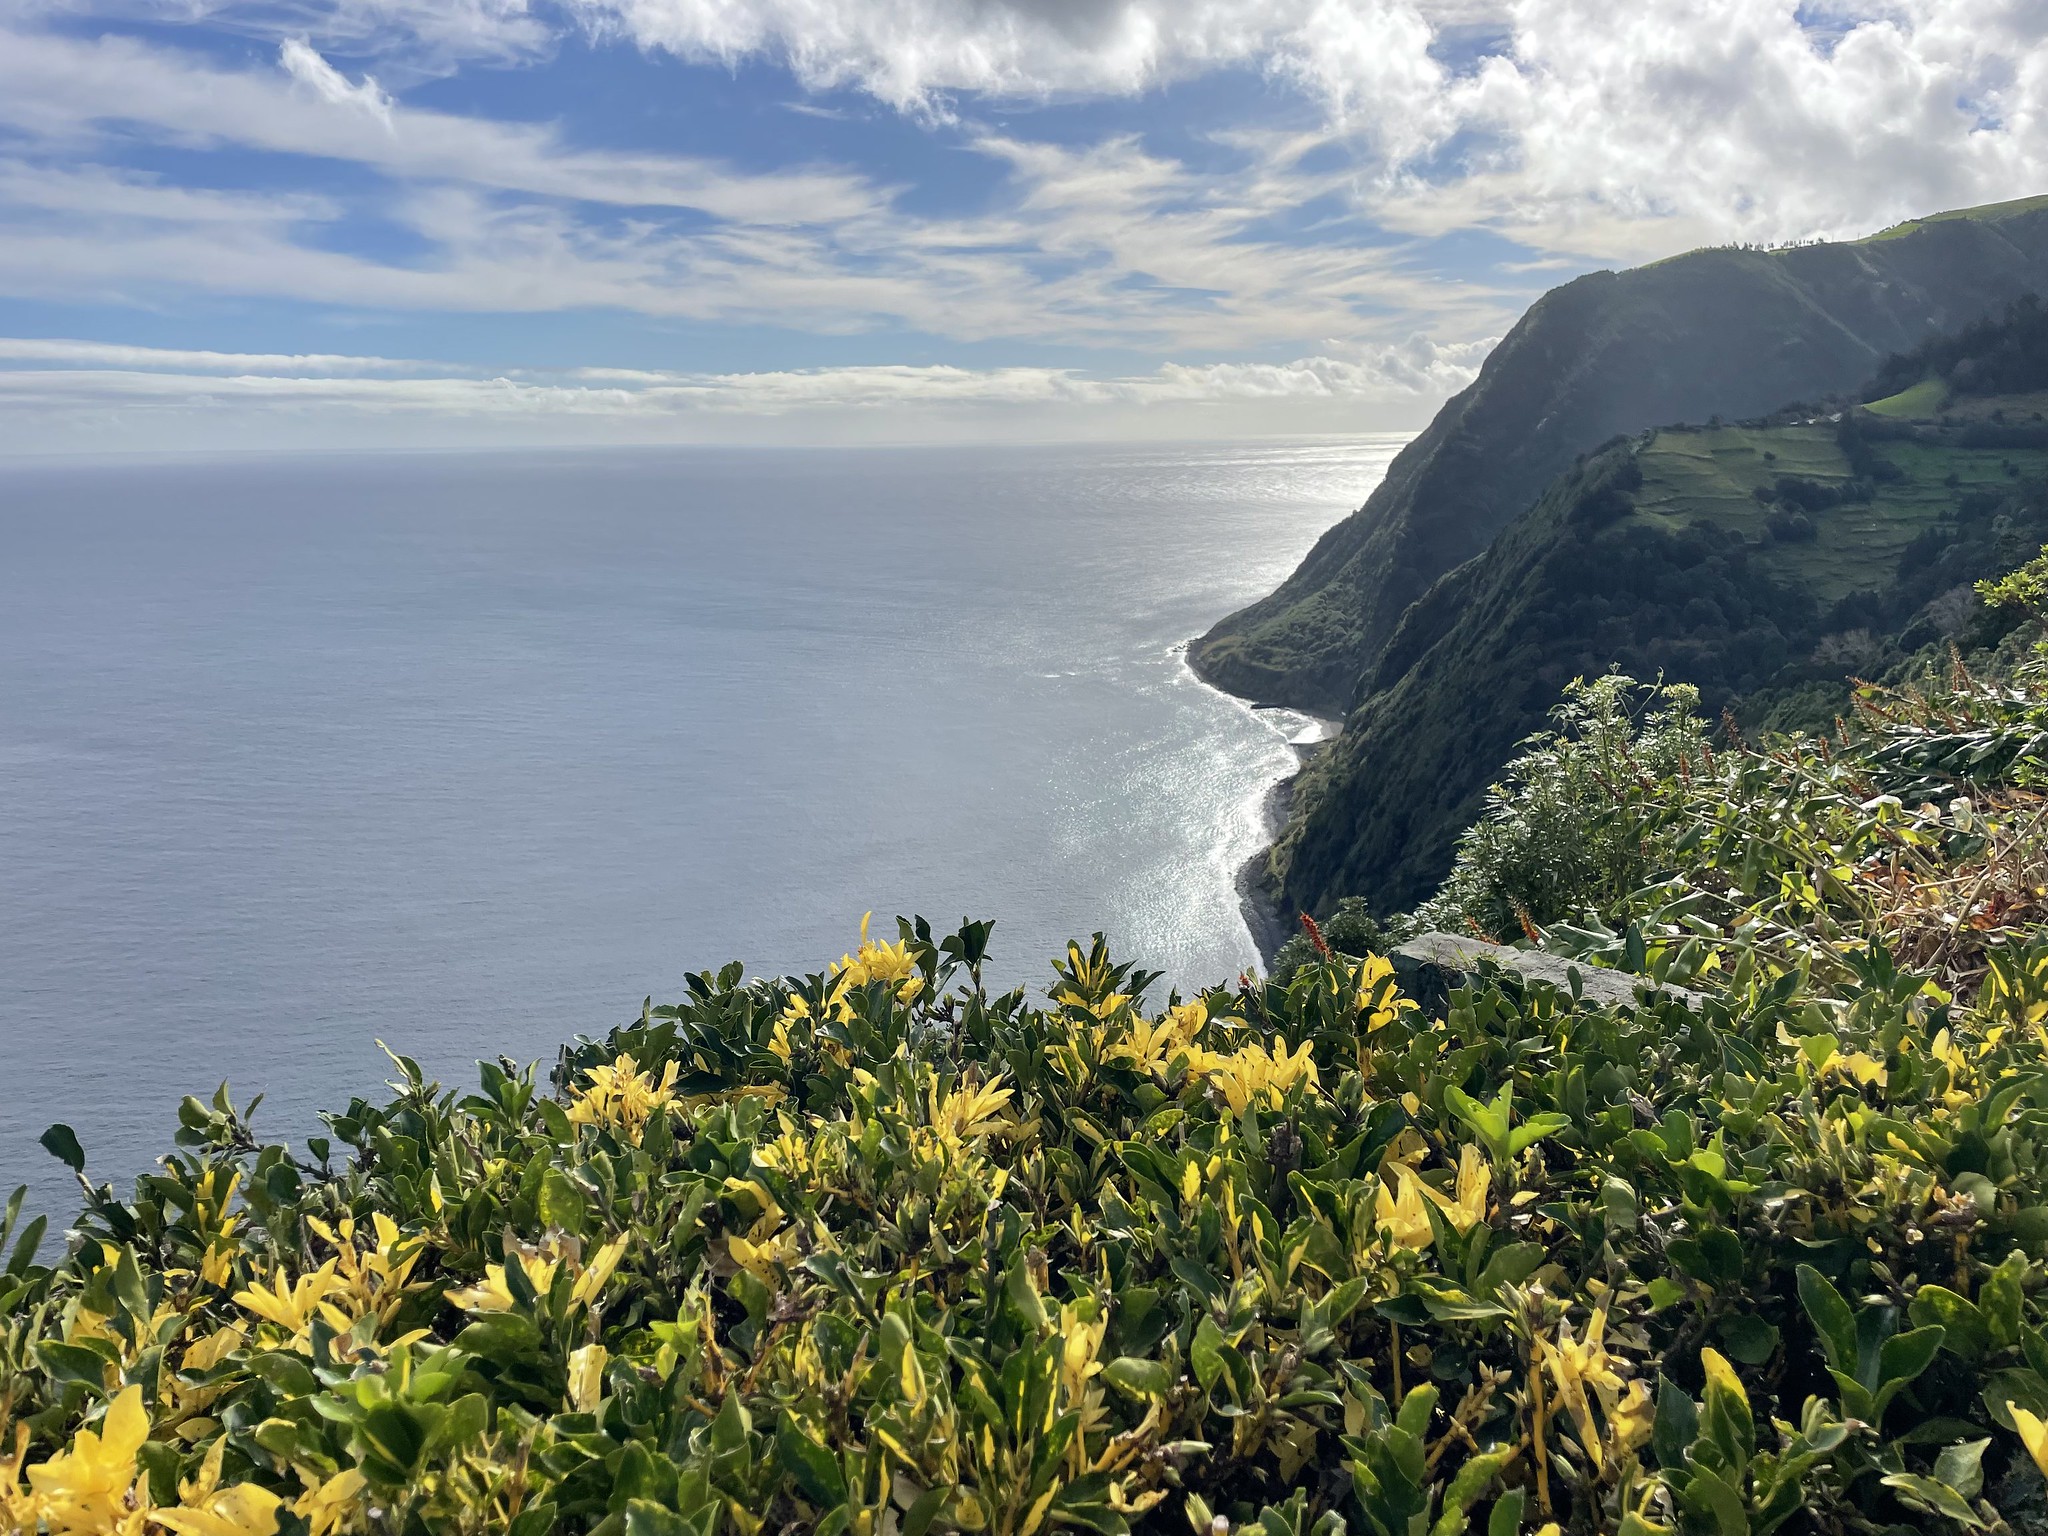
(1568,825)
(1790,527)
(1350,930)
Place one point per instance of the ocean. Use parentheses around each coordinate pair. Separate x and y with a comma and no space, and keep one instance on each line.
(470,753)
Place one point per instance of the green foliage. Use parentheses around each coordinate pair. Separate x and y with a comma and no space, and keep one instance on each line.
(1570,825)
(1351,929)
(2002,355)
(2025,589)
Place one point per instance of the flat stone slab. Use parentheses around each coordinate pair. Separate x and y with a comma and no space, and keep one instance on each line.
(1450,952)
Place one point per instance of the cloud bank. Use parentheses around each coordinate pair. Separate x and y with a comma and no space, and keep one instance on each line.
(181,399)
(1178,202)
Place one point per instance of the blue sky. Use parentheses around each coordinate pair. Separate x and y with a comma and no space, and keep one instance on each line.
(421,222)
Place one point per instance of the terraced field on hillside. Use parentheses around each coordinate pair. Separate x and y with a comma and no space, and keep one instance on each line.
(1712,475)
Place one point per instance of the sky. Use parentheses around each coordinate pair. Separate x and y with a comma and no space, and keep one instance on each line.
(439,223)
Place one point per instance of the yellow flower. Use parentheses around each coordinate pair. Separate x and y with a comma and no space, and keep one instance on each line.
(1475,1179)
(494,1295)
(1401,1212)
(792,1154)
(91,1487)
(1376,997)
(243,1509)
(967,1114)
(1576,1366)
(1151,1046)
(2033,1435)
(1104,1009)
(586,1376)
(293,1306)
(798,1012)
(622,1098)
(602,1263)
(1080,1340)
(877,961)
(334,1505)
(1253,1076)
(765,1257)
(19,1508)
(372,1280)
(218,1265)
(200,1355)
(1861,1069)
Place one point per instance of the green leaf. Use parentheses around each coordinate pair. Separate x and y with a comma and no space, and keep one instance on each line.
(393,1435)
(1473,1479)
(1712,1257)
(1140,1378)
(1448,1304)
(61,1142)
(1965,1332)
(1748,1338)
(1023,1295)
(2001,1299)
(1832,1319)
(644,1517)
(1934,1497)
(562,1204)
(1725,1419)
(1416,1408)
(1713,1499)
(1908,1354)
(815,1469)
(2019,1385)
(1534,1129)
(1205,1354)
(72,1362)
(1961,1466)
(1676,1426)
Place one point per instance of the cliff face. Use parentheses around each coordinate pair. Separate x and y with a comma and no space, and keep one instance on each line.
(1718,332)
(1764,564)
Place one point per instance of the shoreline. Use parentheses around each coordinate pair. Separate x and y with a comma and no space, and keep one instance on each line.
(1306,734)
(1270,926)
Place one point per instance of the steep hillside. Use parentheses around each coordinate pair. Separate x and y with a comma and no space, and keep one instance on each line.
(1739,558)
(1718,332)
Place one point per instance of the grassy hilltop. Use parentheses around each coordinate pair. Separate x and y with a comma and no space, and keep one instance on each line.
(1357,1249)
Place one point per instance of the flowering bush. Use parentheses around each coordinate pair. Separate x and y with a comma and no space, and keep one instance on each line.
(876,1252)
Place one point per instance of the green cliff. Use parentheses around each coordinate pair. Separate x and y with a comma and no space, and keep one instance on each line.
(1762,563)
(1733,333)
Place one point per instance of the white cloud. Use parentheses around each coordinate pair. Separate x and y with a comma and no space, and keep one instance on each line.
(303,63)
(117,355)
(1092,245)
(911,52)
(1580,131)
(1639,129)
(173,397)
(69,91)
(1584,126)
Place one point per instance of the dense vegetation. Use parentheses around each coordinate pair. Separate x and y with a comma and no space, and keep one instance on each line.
(1765,564)
(1721,332)
(2007,355)
(873,1251)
